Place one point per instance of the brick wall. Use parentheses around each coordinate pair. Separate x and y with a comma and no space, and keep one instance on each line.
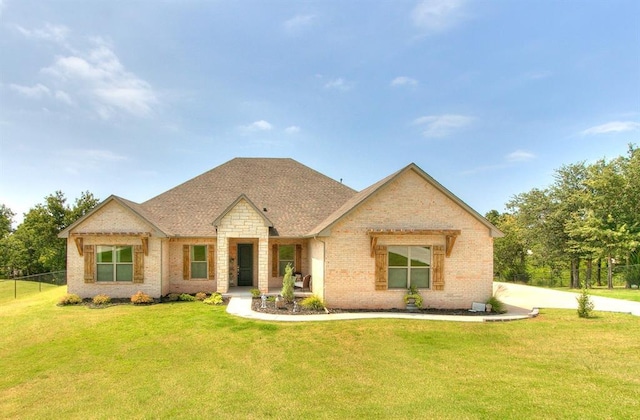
(408,202)
(112,217)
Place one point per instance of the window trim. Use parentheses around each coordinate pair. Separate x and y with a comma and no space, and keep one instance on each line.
(409,267)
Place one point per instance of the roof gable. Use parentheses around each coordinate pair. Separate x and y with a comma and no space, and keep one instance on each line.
(324,228)
(129,206)
(233,205)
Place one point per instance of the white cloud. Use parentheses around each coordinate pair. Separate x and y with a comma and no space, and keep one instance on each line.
(520,156)
(298,23)
(442,125)
(612,127)
(260,125)
(99,78)
(404,81)
(292,129)
(50,32)
(36,91)
(437,15)
(338,84)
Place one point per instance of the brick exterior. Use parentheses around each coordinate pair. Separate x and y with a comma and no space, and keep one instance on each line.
(408,202)
(112,217)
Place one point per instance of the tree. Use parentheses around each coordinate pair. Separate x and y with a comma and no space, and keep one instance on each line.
(34,247)
(509,252)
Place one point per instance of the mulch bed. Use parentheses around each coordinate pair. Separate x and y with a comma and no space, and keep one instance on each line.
(288,310)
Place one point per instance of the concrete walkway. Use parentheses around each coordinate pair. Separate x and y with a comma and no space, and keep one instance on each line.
(530,297)
(240,305)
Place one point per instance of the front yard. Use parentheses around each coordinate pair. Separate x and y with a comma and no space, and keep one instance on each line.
(190,360)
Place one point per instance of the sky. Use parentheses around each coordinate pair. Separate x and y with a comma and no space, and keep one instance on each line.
(489,97)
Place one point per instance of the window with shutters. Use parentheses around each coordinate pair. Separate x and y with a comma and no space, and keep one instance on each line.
(199,269)
(114,263)
(408,266)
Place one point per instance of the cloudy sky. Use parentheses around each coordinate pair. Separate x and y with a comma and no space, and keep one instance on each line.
(489,97)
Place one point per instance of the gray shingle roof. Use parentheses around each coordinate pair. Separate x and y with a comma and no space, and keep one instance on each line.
(296,197)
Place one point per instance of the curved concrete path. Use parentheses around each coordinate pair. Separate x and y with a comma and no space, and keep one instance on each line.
(241,306)
(531,297)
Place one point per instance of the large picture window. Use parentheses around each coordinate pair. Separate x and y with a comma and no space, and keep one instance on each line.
(114,263)
(409,266)
(199,267)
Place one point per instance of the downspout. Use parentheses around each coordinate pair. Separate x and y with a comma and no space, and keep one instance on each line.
(161,266)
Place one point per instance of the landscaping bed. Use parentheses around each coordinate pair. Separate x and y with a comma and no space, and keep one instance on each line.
(288,310)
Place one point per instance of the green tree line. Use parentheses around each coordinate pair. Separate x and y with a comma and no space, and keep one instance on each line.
(589,215)
(34,247)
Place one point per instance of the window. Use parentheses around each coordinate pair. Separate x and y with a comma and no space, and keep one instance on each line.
(199,261)
(286,255)
(114,263)
(409,266)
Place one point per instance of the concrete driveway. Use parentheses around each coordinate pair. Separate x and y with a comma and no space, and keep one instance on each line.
(529,297)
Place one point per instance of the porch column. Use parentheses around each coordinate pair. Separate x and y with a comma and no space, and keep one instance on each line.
(263,263)
(222,264)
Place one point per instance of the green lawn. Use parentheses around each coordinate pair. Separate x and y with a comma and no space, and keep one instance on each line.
(190,360)
(10,288)
(617,293)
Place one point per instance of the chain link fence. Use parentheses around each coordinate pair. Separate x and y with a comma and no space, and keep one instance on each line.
(34,283)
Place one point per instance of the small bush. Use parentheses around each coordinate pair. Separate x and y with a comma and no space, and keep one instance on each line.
(141,298)
(214,299)
(288,283)
(201,296)
(585,305)
(255,293)
(173,297)
(312,303)
(186,297)
(496,305)
(70,299)
(101,299)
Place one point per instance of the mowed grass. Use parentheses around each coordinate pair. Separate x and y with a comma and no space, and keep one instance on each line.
(9,289)
(616,293)
(190,360)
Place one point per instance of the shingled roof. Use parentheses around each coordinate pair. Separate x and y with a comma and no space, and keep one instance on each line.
(294,197)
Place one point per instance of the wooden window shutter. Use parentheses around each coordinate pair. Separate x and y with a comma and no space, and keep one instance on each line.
(186,262)
(298,261)
(438,267)
(211,262)
(89,263)
(274,260)
(138,264)
(381,267)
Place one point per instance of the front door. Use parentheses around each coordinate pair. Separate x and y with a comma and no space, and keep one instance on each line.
(245,264)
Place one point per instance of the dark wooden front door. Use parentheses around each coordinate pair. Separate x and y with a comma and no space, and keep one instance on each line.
(245,264)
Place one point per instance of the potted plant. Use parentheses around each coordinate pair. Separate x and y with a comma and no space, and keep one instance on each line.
(413,299)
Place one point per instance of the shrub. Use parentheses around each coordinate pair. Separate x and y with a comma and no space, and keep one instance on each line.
(70,299)
(214,299)
(585,305)
(287,283)
(101,299)
(186,297)
(141,298)
(496,305)
(255,293)
(173,297)
(312,303)
(201,296)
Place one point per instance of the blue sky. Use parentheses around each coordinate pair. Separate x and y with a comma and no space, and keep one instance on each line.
(489,97)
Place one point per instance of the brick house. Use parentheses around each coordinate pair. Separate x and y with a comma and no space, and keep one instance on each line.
(242,222)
